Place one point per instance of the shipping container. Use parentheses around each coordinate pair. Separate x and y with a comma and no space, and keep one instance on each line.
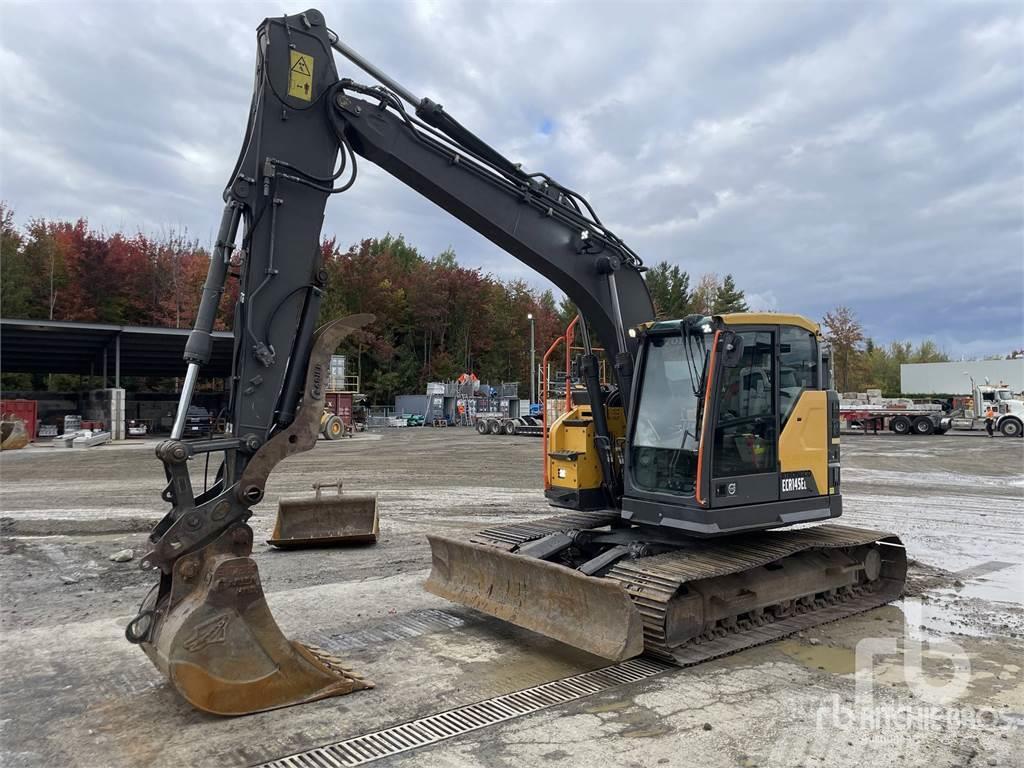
(340,403)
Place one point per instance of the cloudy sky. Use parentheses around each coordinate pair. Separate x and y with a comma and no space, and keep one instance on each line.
(867,154)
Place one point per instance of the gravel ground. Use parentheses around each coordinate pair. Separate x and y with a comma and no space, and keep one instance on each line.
(73,692)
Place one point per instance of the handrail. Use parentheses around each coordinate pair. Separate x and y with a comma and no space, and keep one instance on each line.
(544,401)
(567,338)
(570,333)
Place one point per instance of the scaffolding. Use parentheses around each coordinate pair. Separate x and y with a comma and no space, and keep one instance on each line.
(338,379)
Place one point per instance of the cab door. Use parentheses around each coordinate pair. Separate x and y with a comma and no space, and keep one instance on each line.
(745,433)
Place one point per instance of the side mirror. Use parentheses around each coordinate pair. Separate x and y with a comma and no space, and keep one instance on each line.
(732,349)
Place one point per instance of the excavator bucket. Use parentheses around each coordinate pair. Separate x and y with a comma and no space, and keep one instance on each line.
(589,613)
(214,638)
(326,521)
(12,435)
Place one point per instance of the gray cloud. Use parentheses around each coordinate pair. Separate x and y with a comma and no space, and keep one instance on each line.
(861,153)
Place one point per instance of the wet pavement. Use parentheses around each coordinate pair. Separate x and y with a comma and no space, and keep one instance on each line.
(944,686)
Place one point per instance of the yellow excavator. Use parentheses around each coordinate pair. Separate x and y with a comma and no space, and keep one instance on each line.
(675,488)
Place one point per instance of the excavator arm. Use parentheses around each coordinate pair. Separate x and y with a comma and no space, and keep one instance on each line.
(528,216)
(206,623)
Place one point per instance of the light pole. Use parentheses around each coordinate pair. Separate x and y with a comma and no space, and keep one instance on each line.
(533,361)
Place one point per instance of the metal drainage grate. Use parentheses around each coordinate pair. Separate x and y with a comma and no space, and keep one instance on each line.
(455,722)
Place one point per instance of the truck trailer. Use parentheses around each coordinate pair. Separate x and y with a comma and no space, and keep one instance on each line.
(869,410)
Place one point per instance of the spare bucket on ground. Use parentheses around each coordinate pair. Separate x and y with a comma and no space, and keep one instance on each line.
(326,520)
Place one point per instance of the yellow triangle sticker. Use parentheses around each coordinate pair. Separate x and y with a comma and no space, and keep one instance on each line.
(300,76)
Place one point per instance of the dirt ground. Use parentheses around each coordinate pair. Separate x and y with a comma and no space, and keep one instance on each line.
(73,692)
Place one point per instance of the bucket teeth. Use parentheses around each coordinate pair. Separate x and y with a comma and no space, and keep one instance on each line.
(337,664)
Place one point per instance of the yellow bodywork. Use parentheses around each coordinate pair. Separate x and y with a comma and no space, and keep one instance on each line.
(770,318)
(803,444)
(572,461)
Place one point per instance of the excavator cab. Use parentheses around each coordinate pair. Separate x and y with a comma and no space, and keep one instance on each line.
(732,428)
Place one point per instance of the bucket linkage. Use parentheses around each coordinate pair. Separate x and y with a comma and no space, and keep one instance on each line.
(206,625)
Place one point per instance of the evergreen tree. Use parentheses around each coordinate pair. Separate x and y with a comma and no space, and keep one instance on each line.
(729,298)
(670,290)
(566,311)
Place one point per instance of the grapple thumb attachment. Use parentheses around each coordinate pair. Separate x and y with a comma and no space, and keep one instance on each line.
(213,637)
(589,613)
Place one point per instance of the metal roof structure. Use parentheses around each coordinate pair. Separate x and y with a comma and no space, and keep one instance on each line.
(955,378)
(101,349)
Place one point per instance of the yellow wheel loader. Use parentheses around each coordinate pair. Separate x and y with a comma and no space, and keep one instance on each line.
(676,487)
(332,427)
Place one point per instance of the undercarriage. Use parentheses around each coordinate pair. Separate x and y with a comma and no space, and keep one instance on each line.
(621,591)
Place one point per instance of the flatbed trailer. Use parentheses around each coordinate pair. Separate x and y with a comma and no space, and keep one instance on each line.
(902,421)
(530,426)
(864,411)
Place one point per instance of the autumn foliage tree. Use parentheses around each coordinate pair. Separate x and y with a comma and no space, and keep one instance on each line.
(845,335)
(435,319)
(717,295)
(64,270)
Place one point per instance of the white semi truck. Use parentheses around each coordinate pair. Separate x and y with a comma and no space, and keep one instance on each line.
(1009,411)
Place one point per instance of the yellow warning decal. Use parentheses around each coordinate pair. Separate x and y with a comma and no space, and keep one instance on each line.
(300,76)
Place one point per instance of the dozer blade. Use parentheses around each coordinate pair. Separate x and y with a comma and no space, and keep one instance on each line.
(589,613)
(347,518)
(214,638)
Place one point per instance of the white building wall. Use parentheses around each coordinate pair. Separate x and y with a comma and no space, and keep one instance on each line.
(949,378)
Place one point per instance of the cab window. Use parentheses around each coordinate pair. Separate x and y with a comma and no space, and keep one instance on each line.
(798,367)
(663,454)
(745,436)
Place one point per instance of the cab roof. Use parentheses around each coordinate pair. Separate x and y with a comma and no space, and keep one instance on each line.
(739,318)
(769,318)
